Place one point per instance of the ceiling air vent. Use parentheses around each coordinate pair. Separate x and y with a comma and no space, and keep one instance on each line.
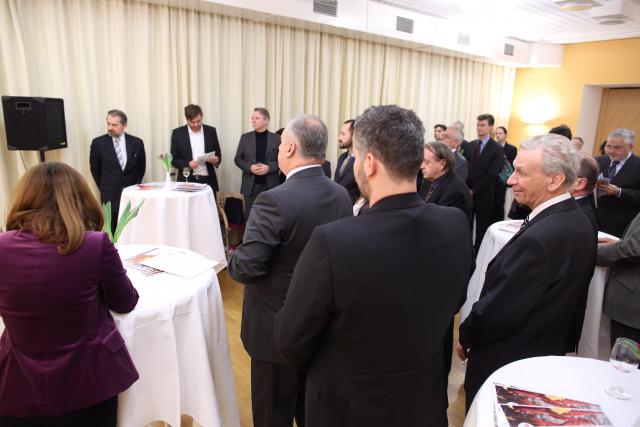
(464,39)
(509,49)
(404,24)
(326,7)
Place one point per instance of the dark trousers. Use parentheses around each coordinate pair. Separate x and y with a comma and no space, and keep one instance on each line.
(114,198)
(248,200)
(103,414)
(277,395)
(482,204)
(619,330)
(497,211)
(447,353)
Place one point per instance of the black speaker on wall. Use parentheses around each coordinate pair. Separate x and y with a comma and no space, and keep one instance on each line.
(34,123)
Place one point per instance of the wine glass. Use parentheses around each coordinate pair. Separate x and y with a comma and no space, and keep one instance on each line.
(625,357)
(186,172)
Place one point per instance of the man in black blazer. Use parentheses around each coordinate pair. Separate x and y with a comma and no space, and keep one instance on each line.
(192,140)
(485,158)
(619,200)
(257,157)
(344,171)
(441,185)
(533,285)
(361,314)
(278,229)
(510,152)
(584,187)
(117,160)
(453,137)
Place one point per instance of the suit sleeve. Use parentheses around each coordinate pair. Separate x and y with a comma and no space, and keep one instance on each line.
(464,169)
(178,161)
(240,160)
(261,240)
(455,200)
(630,196)
(497,162)
(510,295)
(626,249)
(94,162)
(273,164)
(216,147)
(117,290)
(309,305)
(141,162)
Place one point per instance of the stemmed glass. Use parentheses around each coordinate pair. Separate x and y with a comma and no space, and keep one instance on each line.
(186,172)
(625,357)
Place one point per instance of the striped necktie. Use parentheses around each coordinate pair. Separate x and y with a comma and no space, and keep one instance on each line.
(344,164)
(116,144)
(612,169)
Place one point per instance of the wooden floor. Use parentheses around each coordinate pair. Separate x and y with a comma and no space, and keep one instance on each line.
(232,298)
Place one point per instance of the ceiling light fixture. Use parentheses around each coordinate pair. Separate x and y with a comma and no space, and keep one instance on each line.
(576,5)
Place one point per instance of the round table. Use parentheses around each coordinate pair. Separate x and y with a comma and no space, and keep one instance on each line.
(177,338)
(569,377)
(595,337)
(186,220)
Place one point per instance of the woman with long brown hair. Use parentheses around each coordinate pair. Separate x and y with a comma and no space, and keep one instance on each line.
(62,361)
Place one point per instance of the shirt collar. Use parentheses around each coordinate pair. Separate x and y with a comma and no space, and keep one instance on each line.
(484,140)
(191,132)
(544,205)
(300,168)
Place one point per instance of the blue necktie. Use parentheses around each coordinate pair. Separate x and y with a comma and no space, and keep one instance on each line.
(612,169)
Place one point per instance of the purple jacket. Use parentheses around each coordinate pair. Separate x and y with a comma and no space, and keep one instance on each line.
(61,351)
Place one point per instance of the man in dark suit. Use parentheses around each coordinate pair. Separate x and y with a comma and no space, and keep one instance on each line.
(585,184)
(344,171)
(619,197)
(621,298)
(453,137)
(533,285)
(278,229)
(194,140)
(485,158)
(441,185)
(510,152)
(117,160)
(257,157)
(361,314)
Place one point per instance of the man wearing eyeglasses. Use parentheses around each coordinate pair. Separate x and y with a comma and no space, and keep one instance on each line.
(619,186)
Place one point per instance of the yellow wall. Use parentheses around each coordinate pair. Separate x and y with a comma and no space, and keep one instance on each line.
(597,63)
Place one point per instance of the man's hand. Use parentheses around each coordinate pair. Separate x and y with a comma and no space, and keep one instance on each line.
(255,168)
(606,241)
(193,164)
(213,160)
(462,354)
(609,189)
(260,169)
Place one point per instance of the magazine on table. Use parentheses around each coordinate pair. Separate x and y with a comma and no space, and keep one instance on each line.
(136,262)
(515,407)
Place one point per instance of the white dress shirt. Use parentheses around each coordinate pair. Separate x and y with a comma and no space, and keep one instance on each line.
(300,168)
(544,205)
(197,149)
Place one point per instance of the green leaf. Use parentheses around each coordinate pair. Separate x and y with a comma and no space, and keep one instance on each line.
(106,213)
(127,215)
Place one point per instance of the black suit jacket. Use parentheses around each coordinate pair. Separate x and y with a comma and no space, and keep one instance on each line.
(279,226)
(510,152)
(589,208)
(106,171)
(182,154)
(616,213)
(246,156)
(530,293)
(450,191)
(347,179)
(368,321)
(483,171)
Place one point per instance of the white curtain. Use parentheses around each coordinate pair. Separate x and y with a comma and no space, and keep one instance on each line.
(151,60)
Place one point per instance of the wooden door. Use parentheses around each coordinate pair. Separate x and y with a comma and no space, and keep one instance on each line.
(620,108)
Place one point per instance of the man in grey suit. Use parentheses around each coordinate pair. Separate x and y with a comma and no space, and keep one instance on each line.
(277,231)
(622,295)
(453,137)
(257,157)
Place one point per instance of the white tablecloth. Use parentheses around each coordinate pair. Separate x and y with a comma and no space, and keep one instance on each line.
(177,339)
(595,338)
(175,218)
(571,377)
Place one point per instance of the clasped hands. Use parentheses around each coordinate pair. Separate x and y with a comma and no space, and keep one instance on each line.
(259,169)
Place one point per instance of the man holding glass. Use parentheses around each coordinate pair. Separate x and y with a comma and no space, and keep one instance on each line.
(195,147)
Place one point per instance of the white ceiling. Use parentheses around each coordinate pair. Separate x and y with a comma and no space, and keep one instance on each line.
(528,20)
